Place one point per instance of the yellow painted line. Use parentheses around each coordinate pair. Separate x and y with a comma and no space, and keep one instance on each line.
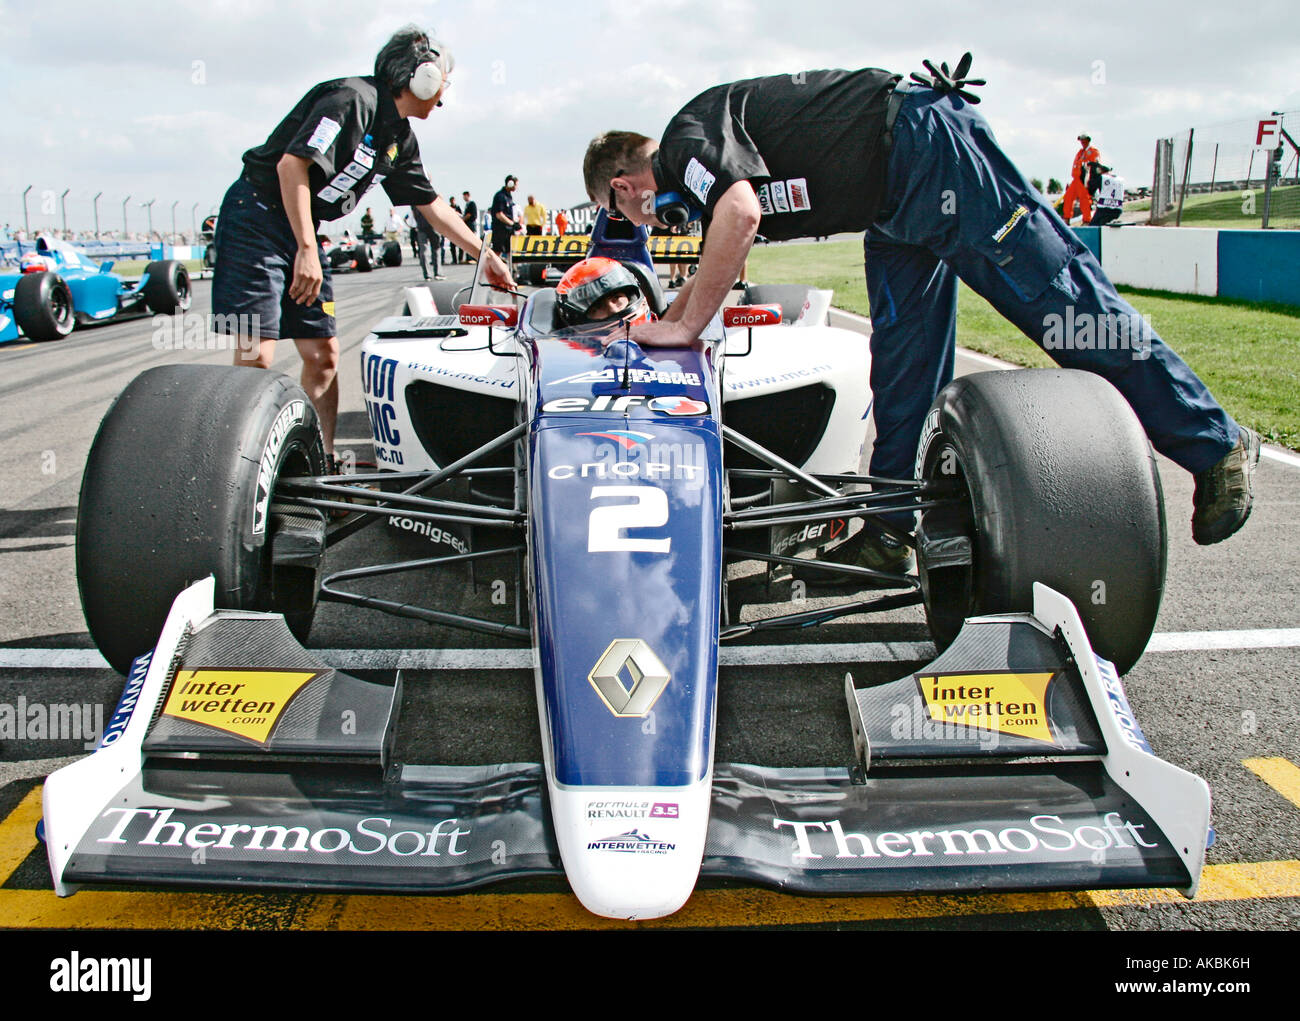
(149,909)
(1281,775)
(555,911)
(18,833)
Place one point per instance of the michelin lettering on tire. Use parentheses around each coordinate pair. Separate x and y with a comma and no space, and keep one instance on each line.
(928,432)
(290,415)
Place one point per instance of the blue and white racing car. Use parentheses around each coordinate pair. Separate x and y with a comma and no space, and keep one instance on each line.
(621,483)
(57,287)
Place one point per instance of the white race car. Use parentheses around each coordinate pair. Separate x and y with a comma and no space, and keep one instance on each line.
(621,481)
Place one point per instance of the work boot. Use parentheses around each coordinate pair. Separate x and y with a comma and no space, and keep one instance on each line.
(877,551)
(1224,493)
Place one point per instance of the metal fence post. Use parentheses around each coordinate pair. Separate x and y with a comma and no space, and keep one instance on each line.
(1187,166)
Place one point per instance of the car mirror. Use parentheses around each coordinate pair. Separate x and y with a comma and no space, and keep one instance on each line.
(750,316)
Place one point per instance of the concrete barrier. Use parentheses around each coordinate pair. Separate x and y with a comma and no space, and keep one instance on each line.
(1185,260)
(1252,265)
(1260,265)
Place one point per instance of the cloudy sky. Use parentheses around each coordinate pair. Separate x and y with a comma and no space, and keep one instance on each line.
(158,99)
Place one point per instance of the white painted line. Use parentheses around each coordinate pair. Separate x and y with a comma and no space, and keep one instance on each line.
(857,322)
(1197,641)
(427,659)
(52,659)
(1278,454)
(843,652)
(728,655)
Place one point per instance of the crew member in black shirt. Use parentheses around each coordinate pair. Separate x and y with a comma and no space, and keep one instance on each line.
(503,216)
(342,138)
(917,169)
(470,216)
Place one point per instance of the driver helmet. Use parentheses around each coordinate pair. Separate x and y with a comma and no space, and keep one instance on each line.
(599,290)
(34,262)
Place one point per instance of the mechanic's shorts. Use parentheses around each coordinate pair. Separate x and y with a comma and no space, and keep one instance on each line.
(501,241)
(255,253)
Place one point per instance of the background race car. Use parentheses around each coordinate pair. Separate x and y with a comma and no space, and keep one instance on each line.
(363,256)
(57,287)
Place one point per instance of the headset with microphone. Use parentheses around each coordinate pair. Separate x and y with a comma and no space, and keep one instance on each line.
(428,76)
(672,207)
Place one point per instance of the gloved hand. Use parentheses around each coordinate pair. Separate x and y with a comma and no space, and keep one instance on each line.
(950,81)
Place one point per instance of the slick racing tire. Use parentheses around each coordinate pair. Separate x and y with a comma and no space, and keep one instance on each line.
(363,261)
(791,298)
(179,485)
(167,287)
(392,253)
(43,306)
(1052,480)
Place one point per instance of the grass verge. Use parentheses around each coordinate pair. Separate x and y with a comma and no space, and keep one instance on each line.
(1247,353)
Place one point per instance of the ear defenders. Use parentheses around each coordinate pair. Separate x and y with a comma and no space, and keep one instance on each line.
(672,207)
(675,210)
(427,78)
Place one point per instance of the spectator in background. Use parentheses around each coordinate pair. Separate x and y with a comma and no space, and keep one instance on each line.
(413,232)
(393,227)
(471,221)
(433,239)
(534,217)
(504,222)
(367,225)
(561,222)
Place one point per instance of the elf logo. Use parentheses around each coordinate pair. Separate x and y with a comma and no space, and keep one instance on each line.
(676,406)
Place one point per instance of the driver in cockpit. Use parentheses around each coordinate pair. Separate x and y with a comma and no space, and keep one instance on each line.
(601,290)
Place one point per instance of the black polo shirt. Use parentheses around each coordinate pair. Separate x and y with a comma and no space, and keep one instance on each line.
(502,202)
(352,133)
(809,143)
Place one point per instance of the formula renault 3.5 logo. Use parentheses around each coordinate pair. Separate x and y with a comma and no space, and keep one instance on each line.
(646,671)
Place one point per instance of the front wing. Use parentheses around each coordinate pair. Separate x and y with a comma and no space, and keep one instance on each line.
(1073,798)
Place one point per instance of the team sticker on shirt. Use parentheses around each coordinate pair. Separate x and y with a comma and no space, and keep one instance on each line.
(323,137)
(784,197)
(340,188)
(698,179)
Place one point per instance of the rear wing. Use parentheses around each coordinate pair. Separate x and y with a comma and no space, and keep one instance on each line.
(615,239)
(571,248)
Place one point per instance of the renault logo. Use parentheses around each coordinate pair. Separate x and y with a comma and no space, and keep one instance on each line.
(648,675)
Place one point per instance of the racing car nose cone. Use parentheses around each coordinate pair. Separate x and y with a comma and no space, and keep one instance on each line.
(632,852)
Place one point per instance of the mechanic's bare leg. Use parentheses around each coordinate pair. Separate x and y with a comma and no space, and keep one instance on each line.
(320,378)
(254,352)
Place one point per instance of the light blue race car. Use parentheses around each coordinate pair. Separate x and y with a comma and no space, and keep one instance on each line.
(57,287)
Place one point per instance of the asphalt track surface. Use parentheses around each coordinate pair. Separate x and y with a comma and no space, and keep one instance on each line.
(1216,693)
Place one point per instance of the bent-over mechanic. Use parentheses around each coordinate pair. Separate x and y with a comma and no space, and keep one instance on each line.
(917,168)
